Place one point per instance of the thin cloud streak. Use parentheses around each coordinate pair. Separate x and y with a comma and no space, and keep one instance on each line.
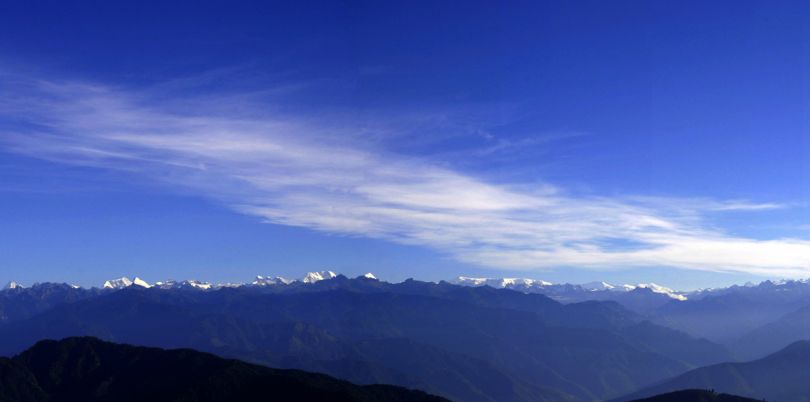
(298,172)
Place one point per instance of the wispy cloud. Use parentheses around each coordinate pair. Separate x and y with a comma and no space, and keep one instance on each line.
(299,171)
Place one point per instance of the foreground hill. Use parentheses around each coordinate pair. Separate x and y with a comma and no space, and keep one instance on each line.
(87,369)
(466,344)
(696,395)
(780,377)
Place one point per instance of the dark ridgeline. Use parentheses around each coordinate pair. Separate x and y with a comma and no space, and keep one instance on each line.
(464,343)
(696,395)
(88,369)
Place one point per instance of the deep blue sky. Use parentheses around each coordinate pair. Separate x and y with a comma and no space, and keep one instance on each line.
(693,112)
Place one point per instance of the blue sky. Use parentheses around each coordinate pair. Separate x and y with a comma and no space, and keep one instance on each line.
(568,141)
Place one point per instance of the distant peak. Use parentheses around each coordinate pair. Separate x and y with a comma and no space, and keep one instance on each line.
(500,282)
(119,283)
(196,284)
(13,285)
(266,280)
(140,282)
(655,288)
(795,349)
(543,287)
(125,282)
(313,277)
(599,285)
(369,275)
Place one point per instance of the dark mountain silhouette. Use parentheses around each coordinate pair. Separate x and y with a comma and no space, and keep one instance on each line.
(88,369)
(696,395)
(780,377)
(17,384)
(468,344)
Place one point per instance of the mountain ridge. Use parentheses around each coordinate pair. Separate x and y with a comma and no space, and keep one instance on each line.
(89,369)
(461,339)
(778,377)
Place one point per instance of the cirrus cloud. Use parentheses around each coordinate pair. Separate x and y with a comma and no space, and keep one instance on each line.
(298,171)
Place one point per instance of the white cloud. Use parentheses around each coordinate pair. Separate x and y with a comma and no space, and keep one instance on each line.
(296,171)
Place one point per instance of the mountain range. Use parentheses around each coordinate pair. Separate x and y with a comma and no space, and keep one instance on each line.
(751,321)
(464,343)
(478,340)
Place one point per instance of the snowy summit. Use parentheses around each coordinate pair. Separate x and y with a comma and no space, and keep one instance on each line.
(125,282)
(501,282)
(313,277)
(266,280)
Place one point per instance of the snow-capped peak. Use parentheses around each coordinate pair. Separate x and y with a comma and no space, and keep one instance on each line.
(125,282)
(196,284)
(500,282)
(313,277)
(119,283)
(465,280)
(507,282)
(596,286)
(13,285)
(191,283)
(140,282)
(661,290)
(369,275)
(165,284)
(266,280)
